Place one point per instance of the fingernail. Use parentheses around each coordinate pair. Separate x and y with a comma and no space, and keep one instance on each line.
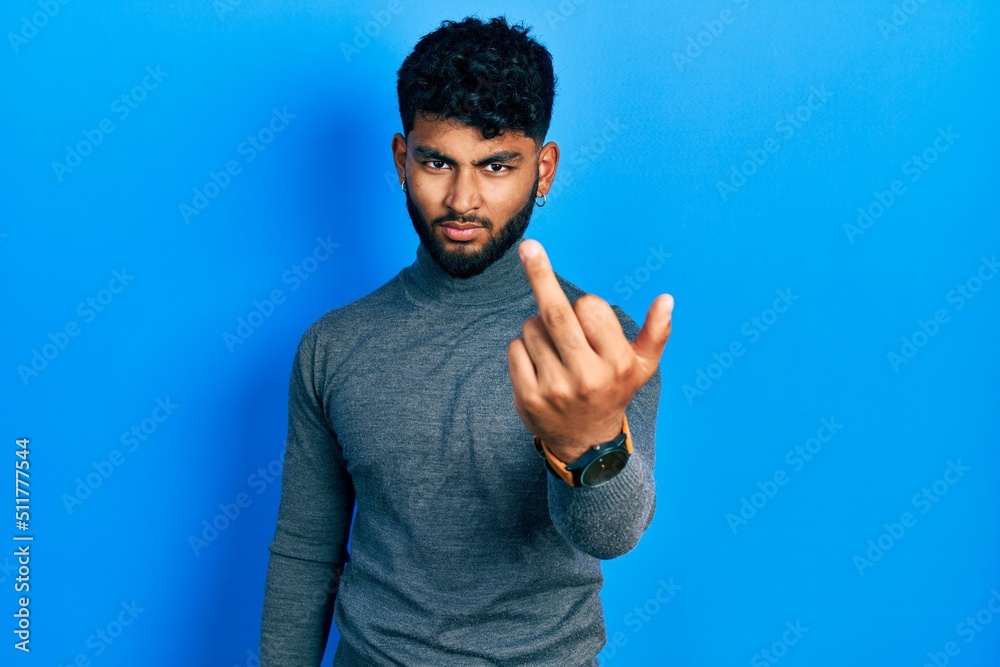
(528,249)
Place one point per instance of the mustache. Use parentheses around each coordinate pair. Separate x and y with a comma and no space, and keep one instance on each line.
(486,223)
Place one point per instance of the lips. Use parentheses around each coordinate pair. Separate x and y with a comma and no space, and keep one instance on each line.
(461,231)
(461,225)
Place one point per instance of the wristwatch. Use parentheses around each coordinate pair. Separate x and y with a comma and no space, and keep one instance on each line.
(597,466)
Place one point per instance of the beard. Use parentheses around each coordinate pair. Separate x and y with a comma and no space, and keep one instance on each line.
(463,263)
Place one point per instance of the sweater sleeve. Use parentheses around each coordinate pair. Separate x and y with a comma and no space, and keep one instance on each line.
(314,518)
(607,521)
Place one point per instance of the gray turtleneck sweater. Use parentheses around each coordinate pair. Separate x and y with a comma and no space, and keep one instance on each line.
(464,550)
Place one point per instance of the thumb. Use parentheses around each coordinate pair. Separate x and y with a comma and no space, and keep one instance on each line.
(652,338)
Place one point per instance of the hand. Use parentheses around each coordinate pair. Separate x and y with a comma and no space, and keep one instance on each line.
(573,370)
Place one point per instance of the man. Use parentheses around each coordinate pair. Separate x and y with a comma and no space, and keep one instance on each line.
(459,404)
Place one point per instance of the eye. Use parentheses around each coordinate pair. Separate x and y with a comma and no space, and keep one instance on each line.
(436,164)
(502,168)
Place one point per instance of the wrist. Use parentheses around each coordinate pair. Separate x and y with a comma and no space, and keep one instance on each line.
(570,450)
(597,465)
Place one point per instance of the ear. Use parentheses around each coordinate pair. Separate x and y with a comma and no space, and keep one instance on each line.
(548,162)
(399,155)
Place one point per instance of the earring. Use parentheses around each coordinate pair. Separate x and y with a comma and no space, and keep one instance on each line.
(403,185)
(543,202)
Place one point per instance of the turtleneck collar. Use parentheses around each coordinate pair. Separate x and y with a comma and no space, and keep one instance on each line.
(503,280)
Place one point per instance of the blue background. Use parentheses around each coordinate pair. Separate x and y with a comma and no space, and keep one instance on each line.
(657,104)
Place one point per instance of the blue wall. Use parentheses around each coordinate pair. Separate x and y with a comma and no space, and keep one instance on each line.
(814,182)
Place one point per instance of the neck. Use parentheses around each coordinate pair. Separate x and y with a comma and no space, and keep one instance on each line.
(503,280)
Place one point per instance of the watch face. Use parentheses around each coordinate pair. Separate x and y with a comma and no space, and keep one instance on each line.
(603,468)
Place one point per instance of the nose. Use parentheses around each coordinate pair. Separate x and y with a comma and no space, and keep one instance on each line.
(463,193)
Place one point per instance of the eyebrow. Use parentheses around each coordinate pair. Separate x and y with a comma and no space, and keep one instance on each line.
(427,153)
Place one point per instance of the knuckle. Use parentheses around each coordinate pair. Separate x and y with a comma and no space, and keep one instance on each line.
(531,402)
(587,387)
(621,368)
(559,394)
(593,312)
(555,316)
(516,351)
(590,304)
(596,384)
(595,307)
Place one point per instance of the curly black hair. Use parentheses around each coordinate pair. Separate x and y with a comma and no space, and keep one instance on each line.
(491,75)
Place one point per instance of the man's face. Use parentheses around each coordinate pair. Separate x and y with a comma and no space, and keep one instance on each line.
(470,199)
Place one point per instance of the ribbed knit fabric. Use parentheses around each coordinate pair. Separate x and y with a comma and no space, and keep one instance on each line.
(464,550)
